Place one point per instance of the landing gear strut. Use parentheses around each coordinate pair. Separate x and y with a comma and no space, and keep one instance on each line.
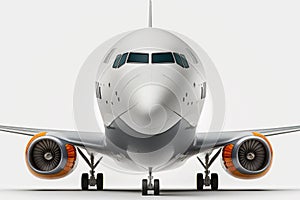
(87,181)
(213,180)
(148,184)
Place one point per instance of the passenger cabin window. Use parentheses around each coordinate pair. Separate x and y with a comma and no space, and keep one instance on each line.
(117,60)
(138,58)
(162,58)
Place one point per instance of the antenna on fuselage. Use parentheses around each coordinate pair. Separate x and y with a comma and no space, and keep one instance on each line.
(150,14)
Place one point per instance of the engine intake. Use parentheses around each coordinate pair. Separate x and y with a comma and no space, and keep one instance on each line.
(249,157)
(49,157)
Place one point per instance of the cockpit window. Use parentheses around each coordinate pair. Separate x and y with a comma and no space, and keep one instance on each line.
(184,61)
(138,58)
(117,60)
(123,59)
(162,58)
(178,59)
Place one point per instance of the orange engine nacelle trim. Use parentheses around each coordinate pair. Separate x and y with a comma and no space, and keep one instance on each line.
(227,156)
(70,164)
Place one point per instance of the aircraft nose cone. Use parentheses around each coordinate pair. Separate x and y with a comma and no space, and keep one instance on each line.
(152,109)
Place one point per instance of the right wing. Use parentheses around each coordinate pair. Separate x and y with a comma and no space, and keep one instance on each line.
(213,140)
(91,140)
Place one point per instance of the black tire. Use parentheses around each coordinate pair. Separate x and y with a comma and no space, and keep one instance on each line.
(99,181)
(214,181)
(200,181)
(85,181)
(144,187)
(156,187)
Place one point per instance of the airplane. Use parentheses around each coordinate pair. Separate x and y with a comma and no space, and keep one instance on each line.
(150,91)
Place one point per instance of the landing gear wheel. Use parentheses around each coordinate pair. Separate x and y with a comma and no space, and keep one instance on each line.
(200,181)
(99,181)
(214,181)
(144,187)
(156,187)
(85,181)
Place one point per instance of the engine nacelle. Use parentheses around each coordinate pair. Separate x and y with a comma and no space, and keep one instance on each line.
(249,157)
(49,157)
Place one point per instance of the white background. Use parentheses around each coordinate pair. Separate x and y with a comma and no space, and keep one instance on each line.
(254,45)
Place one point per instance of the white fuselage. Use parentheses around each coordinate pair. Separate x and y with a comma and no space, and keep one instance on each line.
(151,102)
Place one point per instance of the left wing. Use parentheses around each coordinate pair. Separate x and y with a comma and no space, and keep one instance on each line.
(212,140)
(93,140)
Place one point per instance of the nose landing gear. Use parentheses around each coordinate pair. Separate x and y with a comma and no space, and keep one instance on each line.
(148,185)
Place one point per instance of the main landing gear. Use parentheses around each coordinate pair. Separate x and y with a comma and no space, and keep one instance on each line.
(87,181)
(148,184)
(213,180)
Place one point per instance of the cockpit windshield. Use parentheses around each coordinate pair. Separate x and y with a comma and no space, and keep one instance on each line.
(162,58)
(178,59)
(123,59)
(138,58)
(184,61)
(117,60)
(156,58)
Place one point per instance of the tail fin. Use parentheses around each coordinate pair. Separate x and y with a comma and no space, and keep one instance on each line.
(150,14)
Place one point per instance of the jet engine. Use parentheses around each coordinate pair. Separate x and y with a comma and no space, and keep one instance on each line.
(249,157)
(49,157)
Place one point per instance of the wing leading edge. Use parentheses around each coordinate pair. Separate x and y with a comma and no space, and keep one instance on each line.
(212,140)
(91,140)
